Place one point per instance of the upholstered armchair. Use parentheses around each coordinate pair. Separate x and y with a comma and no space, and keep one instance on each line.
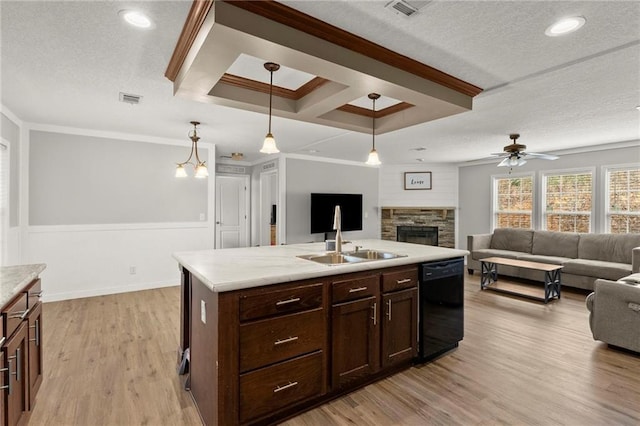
(615,312)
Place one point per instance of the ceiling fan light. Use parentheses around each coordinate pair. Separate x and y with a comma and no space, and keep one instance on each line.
(514,161)
(269,145)
(201,171)
(180,171)
(373,159)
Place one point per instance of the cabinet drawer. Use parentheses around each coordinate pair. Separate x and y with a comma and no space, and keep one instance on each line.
(275,302)
(34,292)
(14,313)
(355,288)
(276,339)
(400,279)
(272,388)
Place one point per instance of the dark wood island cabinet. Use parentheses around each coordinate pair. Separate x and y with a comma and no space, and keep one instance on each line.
(261,354)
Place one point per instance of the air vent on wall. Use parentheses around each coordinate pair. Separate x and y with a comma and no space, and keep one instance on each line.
(401,6)
(129,98)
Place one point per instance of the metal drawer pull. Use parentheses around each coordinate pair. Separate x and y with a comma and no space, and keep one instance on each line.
(9,373)
(286,302)
(4,339)
(406,280)
(19,366)
(355,290)
(281,341)
(36,326)
(375,313)
(22,314)
(281,388)
(38,294)
(389,310)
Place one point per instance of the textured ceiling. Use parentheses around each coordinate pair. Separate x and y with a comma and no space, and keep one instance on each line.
(64,63)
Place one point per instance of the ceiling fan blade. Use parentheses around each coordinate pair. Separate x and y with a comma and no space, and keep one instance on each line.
(500,154)
(521,161)
(542,156)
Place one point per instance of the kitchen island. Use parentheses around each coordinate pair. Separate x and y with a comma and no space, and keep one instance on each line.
(271,334)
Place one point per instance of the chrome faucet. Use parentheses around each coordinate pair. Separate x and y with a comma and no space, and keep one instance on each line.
(337,224)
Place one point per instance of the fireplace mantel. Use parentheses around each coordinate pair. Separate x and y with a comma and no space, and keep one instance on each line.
(442,217)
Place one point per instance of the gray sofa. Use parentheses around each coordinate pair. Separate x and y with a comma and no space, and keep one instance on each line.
(585,257)
(614,309)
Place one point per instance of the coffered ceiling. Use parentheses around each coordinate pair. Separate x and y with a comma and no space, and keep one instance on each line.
(64,63)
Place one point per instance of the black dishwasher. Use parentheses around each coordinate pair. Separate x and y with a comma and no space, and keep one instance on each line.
(441,324)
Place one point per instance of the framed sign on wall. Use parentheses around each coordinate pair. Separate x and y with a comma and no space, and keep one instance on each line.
(417,180)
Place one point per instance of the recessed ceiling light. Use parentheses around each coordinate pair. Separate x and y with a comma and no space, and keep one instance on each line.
(136,18)
(638,107)
(565,26)
(420,148)
(420,159)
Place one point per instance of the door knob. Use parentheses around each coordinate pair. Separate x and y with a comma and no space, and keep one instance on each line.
(217,223)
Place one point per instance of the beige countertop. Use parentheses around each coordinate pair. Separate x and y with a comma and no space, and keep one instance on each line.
(241,268)
(13,279)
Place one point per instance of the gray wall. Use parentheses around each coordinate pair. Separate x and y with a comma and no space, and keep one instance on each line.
(89,180)
(475,186)
(11,133)
(304,177)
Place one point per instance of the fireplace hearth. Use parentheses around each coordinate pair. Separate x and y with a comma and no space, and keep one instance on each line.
(427,235)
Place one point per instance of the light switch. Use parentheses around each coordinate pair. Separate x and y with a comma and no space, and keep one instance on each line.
(203,312)
(201,216)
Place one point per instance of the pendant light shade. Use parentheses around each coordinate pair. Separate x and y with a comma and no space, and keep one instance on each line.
(269,145)
(199,166)
(373,159)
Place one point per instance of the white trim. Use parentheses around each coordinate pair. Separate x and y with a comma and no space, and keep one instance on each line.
(10,115)
(565,172)
(113,135)
(282,201)
(54,297)
(39,229)
(578,150)
(327,160)
(262,180)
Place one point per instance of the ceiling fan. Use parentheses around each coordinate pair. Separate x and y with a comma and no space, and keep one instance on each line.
(514,154)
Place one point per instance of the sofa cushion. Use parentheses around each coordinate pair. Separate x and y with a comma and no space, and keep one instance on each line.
(608,247)
(483,253)
(512,239)
(597,268)
(550,243)
(554,260)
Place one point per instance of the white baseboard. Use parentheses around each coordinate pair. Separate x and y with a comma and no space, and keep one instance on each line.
(55,297)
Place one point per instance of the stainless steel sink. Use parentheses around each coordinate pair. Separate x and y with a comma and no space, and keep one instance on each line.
(350,257)
(373,254)
(332,258)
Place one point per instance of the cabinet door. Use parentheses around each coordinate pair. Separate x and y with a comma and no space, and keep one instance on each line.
(3,386)
(35,352)
(356,340)
(399,326)
(15,352)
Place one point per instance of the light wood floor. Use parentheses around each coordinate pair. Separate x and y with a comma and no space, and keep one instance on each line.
(111,361)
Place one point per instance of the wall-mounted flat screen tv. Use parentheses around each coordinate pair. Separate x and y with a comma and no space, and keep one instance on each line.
(323,208)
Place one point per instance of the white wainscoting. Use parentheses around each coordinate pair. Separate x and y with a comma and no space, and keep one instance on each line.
(94,260)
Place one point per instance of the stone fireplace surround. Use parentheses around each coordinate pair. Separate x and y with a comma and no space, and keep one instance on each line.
(442,217)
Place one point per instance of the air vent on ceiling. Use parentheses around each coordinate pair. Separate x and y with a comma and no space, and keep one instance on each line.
(401,6)
(130,99)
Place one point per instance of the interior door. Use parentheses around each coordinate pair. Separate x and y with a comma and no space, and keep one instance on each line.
(232,206)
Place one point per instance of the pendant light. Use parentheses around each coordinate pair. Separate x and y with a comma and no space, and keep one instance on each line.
(373,159)
(269,145)
(199,166)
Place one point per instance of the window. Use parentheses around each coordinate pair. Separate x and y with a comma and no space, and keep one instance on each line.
(4,200)
(513,202)
(623,200)
(568,201)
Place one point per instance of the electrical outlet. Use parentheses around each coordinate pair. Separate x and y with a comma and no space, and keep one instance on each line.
(203,312)
(132,270)
(201,216)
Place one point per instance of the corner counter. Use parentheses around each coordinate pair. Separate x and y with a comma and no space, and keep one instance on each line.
(21,355)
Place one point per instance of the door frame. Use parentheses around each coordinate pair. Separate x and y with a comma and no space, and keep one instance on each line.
(265,180)
(247,204)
